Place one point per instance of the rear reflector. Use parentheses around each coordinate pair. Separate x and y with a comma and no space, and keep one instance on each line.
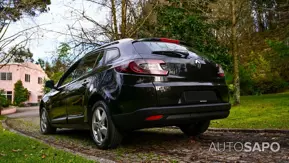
(154,118)
(144,66)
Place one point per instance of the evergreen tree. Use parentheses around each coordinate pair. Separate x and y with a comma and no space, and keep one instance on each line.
(20,93)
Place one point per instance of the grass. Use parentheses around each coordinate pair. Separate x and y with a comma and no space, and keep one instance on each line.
(16,148)
(258,112)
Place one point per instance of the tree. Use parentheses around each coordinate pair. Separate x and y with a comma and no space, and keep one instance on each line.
(184,20)
(60,63)
(21,94)
(124,20)
(235,55)
(3,100)
(41,62)
(11,11)
(21,55)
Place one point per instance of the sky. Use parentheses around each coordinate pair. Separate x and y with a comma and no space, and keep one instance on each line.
(46,38)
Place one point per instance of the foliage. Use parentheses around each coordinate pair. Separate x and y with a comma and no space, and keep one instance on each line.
(257,76)
(21,94)
(258,112)
(280,47)
(59,65)
(3,100)
(17,148)
(279,57)
(21,55)
(13,10)
(186,24)
(41,62)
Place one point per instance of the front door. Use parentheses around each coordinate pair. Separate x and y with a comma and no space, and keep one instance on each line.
(57,107)
(58,97)
(77,89)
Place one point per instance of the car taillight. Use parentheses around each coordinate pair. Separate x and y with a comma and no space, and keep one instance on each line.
(221,72)
(144,66)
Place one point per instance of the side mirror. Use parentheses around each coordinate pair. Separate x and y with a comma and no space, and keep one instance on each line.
(50,84)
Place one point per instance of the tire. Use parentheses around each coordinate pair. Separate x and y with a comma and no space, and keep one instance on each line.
(102,124)
(195,129)
(45,126)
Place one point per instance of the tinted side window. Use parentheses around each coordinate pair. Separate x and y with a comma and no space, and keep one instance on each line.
(86,65)
(111,54)
(99,59)
(68,79)
(69,75)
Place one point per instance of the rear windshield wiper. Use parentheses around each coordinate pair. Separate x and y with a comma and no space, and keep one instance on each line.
(179,54)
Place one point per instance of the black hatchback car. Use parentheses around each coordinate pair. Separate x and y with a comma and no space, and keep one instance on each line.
(133,84)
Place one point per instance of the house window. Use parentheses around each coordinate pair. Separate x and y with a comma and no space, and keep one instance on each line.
(9,76)
(8,95)
(27,78)
(6,76)
(40,80)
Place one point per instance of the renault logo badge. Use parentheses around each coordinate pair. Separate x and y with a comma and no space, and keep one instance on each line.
(198,64)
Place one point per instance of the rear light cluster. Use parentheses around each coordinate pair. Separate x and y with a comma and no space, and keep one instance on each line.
(221,72)
(144,66)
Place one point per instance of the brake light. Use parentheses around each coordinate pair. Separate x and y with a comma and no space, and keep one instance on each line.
(169,40)
(221,72)
(143,66)
(163,40)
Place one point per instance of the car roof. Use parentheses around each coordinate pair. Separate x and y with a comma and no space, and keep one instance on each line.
(115,43)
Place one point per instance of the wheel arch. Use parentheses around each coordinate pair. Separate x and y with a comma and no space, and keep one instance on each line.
(90,103)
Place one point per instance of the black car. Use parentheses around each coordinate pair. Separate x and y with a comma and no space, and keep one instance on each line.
(133,84)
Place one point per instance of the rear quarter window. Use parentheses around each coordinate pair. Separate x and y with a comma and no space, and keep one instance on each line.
(111,54)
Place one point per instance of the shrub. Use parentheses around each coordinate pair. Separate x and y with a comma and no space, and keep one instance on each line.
(20,93)
(271,84)
(3,100)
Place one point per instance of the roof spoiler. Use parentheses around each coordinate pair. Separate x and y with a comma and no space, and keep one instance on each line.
(163,40)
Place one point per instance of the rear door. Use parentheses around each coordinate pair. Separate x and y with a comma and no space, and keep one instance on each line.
(191,79)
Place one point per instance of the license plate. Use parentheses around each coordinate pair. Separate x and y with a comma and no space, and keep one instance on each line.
(200,96)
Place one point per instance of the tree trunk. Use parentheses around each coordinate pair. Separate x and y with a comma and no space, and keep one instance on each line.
(113,11)
(235,55)
(123,18)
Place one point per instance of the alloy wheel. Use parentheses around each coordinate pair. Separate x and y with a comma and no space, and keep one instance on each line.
(43,121)
(99,125)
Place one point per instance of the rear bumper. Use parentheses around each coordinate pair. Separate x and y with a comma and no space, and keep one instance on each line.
(172,115)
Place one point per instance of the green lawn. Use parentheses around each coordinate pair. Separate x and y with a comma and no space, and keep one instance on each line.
(16,148)
(258,112)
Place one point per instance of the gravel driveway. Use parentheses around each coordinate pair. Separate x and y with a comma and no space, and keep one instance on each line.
(163,144)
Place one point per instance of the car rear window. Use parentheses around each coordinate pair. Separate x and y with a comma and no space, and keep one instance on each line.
(147,47)
(158,46)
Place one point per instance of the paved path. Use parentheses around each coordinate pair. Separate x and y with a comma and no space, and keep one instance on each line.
(162,145)
(25,112)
